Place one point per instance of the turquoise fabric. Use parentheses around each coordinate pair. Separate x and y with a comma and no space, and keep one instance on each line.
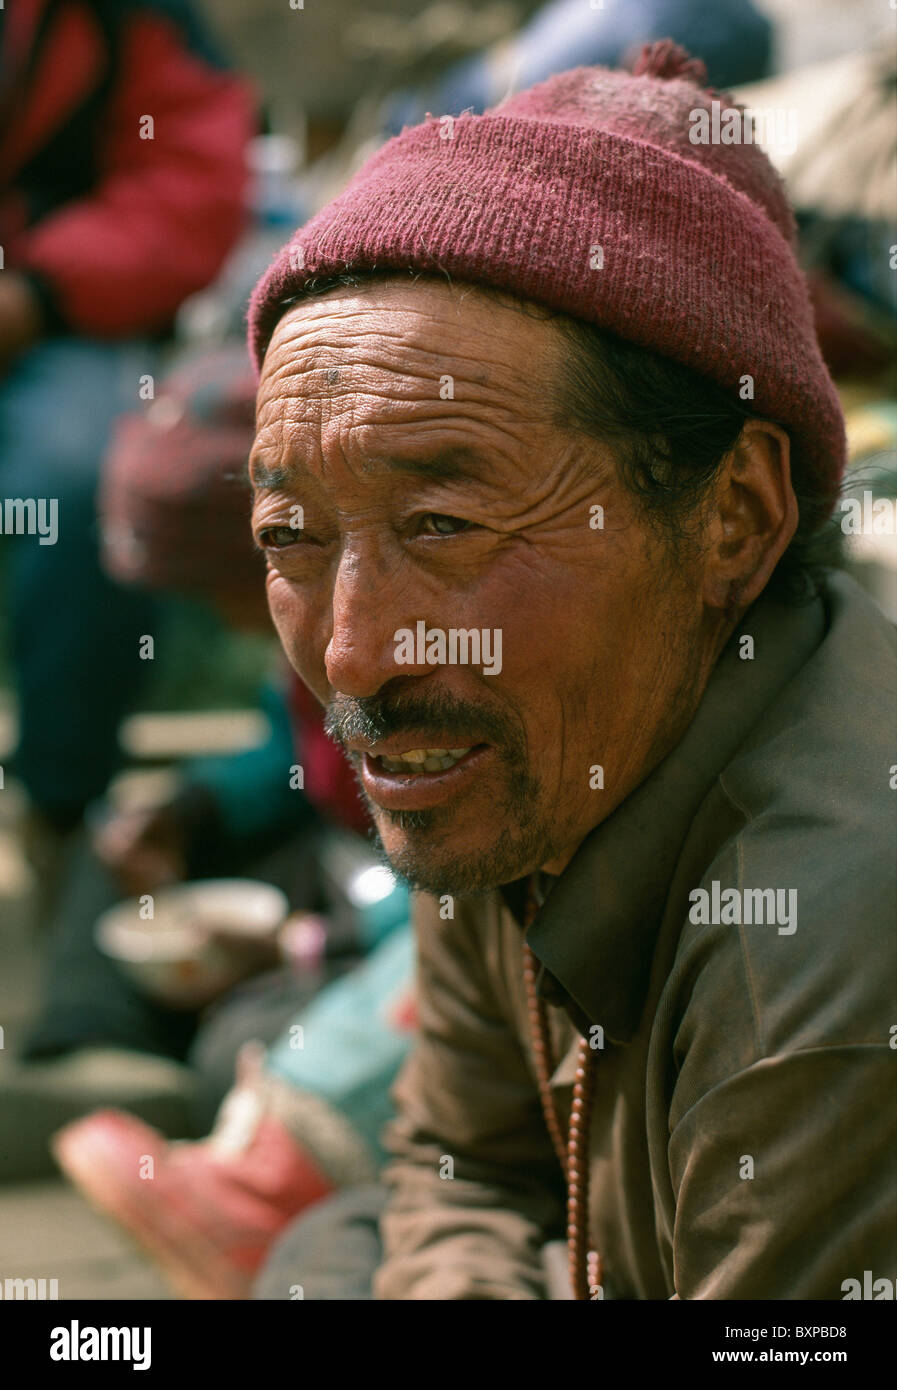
(252,789)
(350,1051)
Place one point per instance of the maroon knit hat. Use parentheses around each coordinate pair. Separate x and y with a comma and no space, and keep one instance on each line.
(585,193)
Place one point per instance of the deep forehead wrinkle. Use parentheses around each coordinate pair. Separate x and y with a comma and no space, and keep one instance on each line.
(458,464)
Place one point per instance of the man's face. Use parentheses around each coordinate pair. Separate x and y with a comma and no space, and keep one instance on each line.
(412,424)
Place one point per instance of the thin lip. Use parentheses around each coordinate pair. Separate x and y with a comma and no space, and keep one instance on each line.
(392,748)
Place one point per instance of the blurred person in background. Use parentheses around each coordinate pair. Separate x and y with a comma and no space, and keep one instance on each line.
(173,509)
(122,177)
(301,1123)
(174,500)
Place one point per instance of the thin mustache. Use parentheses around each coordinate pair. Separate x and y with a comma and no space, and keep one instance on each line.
(356,719)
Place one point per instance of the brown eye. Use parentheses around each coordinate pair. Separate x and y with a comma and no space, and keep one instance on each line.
(278,537)
(443,525)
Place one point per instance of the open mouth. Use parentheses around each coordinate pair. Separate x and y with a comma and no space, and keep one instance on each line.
(417,778)
(418,760)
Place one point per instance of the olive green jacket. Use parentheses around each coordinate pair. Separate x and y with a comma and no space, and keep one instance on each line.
(742,1140)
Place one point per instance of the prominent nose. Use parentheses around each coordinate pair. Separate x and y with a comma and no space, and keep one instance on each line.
(371,602)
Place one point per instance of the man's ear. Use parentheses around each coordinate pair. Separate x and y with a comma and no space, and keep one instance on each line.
(752,518)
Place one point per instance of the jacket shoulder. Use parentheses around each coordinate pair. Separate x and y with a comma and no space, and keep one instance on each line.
(790,932)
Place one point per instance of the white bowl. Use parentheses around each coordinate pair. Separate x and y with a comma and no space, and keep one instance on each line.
(203,938)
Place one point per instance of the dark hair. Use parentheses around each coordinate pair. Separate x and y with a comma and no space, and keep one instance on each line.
(671,428)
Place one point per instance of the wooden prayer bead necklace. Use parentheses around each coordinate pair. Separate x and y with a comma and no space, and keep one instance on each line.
(584,1264)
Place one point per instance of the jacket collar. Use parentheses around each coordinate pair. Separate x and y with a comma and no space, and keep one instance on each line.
(596,931)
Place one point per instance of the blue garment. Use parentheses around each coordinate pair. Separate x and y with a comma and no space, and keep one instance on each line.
(350,1051)
(75,633)
(252,789)
(732,37)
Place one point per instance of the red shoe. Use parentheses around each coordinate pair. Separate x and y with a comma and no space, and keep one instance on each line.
(205,1212)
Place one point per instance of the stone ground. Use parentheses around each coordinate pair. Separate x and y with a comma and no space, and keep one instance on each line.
(46,1229)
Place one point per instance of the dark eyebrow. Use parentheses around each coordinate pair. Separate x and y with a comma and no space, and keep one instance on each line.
(273,477)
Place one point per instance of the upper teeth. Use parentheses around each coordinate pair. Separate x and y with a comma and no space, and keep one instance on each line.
(423,759)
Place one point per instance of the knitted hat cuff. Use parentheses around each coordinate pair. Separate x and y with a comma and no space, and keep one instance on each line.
(605,228)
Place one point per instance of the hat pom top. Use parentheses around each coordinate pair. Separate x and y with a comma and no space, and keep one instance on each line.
(668,60)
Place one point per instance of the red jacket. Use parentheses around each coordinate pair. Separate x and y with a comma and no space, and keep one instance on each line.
(115,230)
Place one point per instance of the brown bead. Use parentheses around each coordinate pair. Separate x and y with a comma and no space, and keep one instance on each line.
(571,1151)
